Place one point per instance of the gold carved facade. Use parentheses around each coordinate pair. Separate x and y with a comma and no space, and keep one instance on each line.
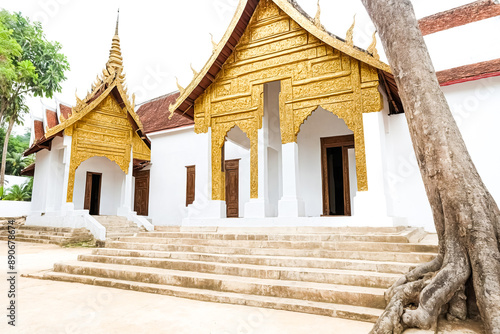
(104,132)
(312,73)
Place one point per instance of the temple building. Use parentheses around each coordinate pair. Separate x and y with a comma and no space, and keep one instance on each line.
(87,155)
(283,176)
(285,125)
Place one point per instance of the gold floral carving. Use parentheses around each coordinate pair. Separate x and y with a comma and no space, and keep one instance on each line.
(279,47)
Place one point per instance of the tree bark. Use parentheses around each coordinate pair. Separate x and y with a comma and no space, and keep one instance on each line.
(5,146)
(466,216)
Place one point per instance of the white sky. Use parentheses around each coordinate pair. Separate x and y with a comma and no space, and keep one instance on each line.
(159,39)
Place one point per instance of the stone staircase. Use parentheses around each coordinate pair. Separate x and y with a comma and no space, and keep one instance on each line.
(339,272)
(117,227)
(47,235)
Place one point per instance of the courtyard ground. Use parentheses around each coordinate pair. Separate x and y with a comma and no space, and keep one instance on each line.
(72,308)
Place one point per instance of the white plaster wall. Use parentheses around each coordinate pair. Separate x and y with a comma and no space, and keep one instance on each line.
(320,124)
(56,176)
(171,152)
(467,44)
(405,187)
(38,195)
(9,209)
(476,108)
(111,184)
(48,184)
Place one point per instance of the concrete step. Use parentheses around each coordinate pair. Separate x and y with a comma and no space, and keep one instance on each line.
(287,304)
(399,238)
(55,238)
(276,261)
(326,245)
(113,235)
(51,229)
(282,229)
(39,241)
(36,233)
(124,229)
(376,254)
(316,292)
(125,225)
(318,275)
(168,228)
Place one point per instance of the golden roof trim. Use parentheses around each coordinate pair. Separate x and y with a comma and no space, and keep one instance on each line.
(216,51)
(327,38)
(304,22)
(78,115)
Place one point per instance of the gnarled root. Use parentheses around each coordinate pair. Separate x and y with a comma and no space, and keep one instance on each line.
(403,295)
(430,287)
(415,274)
(440,291)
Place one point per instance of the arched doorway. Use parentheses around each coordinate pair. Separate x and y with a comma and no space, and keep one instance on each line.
(98,186)
(237,171)
(327,165)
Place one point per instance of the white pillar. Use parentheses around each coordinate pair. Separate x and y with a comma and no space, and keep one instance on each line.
(203,205)
(373,202)
(66,206)
(290,205)
(126,208)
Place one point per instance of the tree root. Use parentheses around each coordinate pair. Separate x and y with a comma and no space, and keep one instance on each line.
(417,273)
(430,290)
(405,294)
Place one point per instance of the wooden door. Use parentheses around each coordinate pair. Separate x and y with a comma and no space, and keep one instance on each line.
(88,191)
(141,197)
(190,184)
(328,171)
(92,197)
(232,189)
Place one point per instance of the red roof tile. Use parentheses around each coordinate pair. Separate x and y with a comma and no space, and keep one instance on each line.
(471,12)
(154,114)
(485,69)
(51,118)
(39,132)
(65,110)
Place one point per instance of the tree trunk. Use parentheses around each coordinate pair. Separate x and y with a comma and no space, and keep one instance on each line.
(5,146)
(466,216)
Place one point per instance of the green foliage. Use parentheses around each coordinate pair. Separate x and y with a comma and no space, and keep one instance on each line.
(40,67)
(17,145)
(19,193)
(17,163)
(9,50)
(29,64)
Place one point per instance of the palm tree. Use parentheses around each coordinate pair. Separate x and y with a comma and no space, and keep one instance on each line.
(16,163)
(18,193)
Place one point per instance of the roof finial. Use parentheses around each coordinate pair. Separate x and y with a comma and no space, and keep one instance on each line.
(350,33)
(214,45)
(115,61)
(195,73)
(117,20)
(317,18)
(181,89)
(373,47)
